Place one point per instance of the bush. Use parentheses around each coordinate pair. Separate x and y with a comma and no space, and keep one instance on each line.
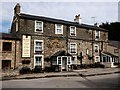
(25,70)
(37,69)
(54,68)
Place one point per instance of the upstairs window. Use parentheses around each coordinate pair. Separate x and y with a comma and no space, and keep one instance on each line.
(38,26)
(58,29)
(96,48)
(38,45)
(7,46)
(72,31)
(97,35)
(73,48)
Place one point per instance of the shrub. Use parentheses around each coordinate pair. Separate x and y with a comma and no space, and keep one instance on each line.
(37,69)
(54,68)
(25,70)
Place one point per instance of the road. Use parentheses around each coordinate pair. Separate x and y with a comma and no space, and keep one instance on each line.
(101,81)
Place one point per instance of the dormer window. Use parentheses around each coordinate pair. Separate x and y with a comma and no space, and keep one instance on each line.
(72,31)
(38,26)
(58,29)
(97,35)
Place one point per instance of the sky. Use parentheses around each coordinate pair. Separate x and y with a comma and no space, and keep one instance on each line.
(102,10)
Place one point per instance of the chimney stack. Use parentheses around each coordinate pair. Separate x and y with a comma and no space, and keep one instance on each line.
(96,24)
(17,9)
(77,19)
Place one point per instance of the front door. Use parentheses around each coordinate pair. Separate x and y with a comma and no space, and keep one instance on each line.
(64,63)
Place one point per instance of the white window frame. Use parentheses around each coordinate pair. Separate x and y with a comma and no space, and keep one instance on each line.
(36,28)
(42,62)
(75,48)
(97,47)
(39,41)
(69,58)
(74,31)
(57,27)
(98,58)
(60,59)
(87,51)
(96,34)
(75,61)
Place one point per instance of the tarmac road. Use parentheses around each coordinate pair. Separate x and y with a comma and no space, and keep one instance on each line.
(101,81)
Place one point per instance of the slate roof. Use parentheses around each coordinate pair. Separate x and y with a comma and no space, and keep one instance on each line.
(61,53)
(8,36)
(114,43)
(34,17)
(107,53)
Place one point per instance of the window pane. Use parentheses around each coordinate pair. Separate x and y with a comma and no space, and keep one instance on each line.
(72,30)
(38,46)
(38,60)
(38,26)
(7,46)
(73,48)
(59,60)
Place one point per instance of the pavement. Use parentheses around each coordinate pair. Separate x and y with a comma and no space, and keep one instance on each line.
(81,72)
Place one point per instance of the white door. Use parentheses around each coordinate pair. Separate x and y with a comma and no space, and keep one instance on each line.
(64,62)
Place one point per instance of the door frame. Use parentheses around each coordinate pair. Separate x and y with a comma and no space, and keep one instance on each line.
(62,60)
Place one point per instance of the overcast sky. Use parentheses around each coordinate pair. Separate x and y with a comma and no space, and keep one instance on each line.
(105,11)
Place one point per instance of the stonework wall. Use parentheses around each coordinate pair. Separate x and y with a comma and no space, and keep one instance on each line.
(56,42)
(10,55)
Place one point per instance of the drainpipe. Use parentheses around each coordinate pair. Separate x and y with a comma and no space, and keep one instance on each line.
(92,48)
(15,56)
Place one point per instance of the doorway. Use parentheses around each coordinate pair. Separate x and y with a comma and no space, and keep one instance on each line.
(64,63)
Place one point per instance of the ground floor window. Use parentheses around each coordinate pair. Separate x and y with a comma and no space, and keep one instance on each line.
(38,60)
(6,64)
(97,59)
(74,60)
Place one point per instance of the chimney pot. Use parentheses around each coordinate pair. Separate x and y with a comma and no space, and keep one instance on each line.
(17,9)
(77,19)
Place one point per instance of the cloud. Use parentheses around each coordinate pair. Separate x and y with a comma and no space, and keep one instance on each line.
(103,11)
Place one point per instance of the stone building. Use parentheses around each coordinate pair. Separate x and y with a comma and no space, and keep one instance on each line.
(111,57)
(44,39)
(9,51)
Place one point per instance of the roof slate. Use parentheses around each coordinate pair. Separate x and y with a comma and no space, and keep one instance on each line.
(34,17)
(8,36)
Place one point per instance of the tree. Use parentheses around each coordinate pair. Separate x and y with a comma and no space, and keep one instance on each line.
(113,30)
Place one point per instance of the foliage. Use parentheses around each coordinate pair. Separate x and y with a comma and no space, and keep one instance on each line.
(113,30)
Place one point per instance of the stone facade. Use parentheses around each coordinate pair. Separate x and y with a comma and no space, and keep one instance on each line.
(12,55)
(85,41)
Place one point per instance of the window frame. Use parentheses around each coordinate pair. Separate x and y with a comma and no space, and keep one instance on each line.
(35,45)
(96,34)
(42,58)
(56,27)
(6,50)
(74,31)
(75,48)
(98,58)
(36,25)
(97,48)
